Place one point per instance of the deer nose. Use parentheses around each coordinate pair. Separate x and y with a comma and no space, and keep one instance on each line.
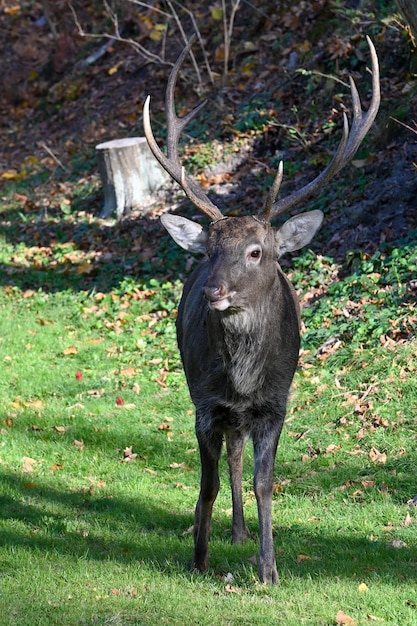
(214,293)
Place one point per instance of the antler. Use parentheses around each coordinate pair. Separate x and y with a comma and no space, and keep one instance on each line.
(347,148)
(175,125)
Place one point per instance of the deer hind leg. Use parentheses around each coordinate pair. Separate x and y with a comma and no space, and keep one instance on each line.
(235,444)
(210,449)
(265,445)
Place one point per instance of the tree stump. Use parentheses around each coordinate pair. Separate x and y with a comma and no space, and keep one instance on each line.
(130,174)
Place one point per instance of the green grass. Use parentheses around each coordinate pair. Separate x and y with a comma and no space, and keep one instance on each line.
(98,463)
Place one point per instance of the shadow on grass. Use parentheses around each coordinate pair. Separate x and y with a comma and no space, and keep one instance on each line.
(41,517)
(136,530)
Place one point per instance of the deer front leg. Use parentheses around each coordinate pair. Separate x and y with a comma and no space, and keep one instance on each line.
(235,444)
(265,444)
(210,448)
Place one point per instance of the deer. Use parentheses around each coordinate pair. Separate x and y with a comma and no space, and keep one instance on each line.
(238,322)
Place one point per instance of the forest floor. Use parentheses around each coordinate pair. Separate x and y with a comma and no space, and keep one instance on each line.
(280,99)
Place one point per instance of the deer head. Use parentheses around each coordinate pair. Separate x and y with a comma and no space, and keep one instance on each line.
(297,231)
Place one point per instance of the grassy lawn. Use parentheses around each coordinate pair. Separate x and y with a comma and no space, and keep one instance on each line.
(98,463)
(99,467)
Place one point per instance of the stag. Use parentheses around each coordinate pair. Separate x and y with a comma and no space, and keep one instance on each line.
(238,322)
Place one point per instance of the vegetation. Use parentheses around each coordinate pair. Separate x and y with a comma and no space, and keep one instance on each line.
(99,468)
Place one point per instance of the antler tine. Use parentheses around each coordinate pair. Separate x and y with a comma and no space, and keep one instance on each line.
(175,125)
(272,194)
(349,143)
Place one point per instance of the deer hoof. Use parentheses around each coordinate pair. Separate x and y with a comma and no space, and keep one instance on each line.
(199,563)
(268,574)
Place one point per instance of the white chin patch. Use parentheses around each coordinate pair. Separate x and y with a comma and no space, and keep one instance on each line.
(221,305)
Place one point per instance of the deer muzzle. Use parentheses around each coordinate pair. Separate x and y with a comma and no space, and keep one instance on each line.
(218,297)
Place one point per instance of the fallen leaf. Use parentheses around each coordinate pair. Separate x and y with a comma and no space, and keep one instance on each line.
(413,605)
(129,371)
(120,401)
(363,588)
(178,466)
(406,523)
(78,444)
(70,350)
(396,543)
(377,457)
(95,393)
(344,620)
(366,484)
(28,464)
(60,429)
(129,455)
(34,404)
(303,557)
(332,448)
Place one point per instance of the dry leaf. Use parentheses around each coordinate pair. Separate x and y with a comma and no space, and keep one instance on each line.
(332,448)
(366,484)
(129,371)
(178,466)
(303,557)
(406,523)
(28,464)
(129,455)
(60,429)
(396,543)
(34,404)
(377,457)
(95,393)
(363,588)
(344,620)
(78,444)
(70,350)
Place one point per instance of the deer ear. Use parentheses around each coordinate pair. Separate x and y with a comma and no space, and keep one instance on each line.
(297,231)
(187,234)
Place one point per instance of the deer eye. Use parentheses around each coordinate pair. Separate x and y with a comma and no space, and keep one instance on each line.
(254,254)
